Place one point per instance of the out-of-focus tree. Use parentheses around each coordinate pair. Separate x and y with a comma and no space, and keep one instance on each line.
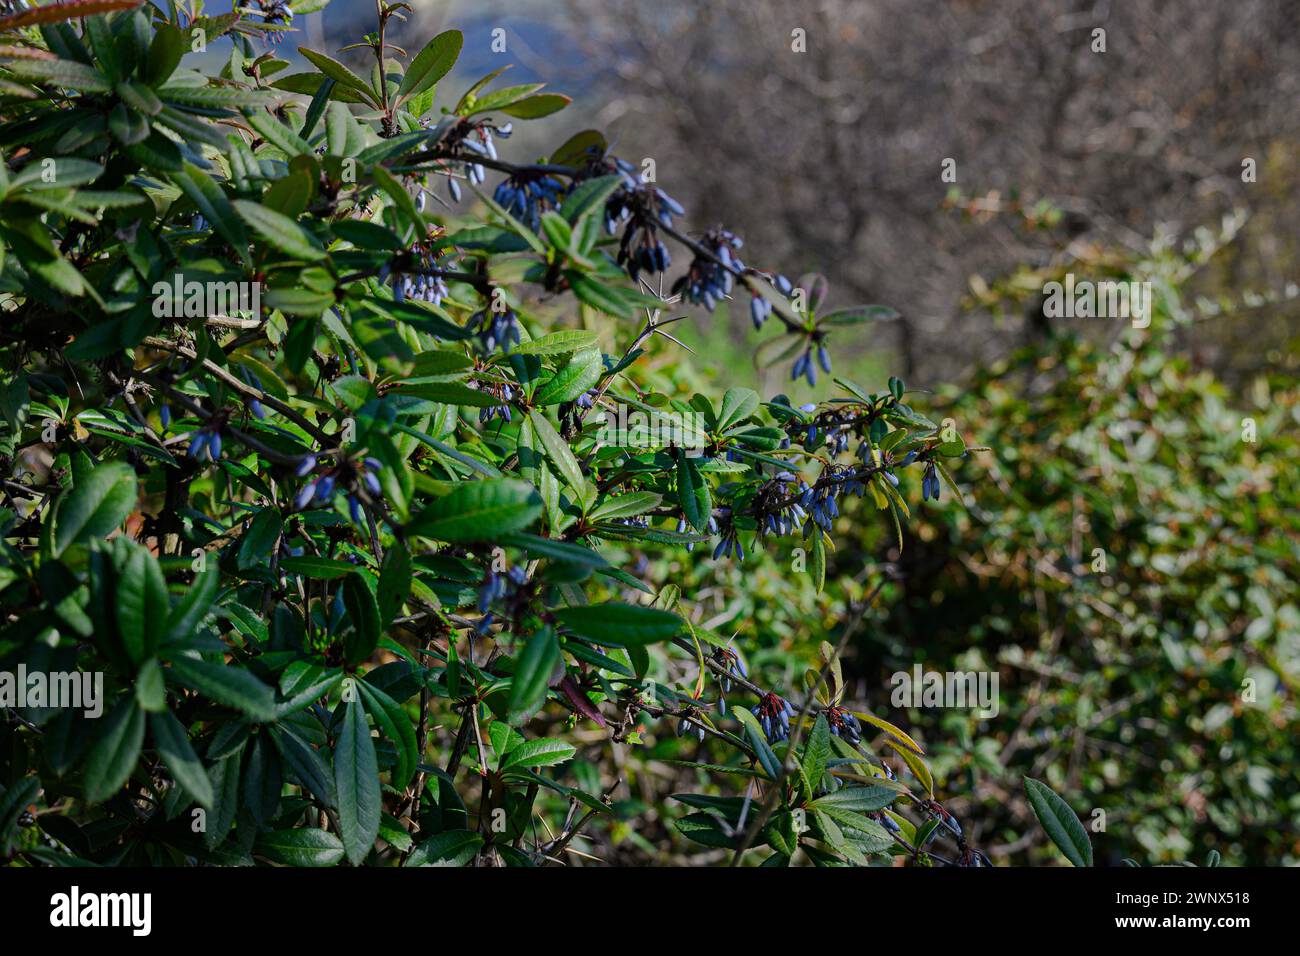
(1152,120)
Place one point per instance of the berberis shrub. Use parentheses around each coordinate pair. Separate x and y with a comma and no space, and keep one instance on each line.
(332,458)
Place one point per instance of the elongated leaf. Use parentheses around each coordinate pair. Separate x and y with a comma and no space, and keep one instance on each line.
(567,340)
(578,375)
(449,848)
(693,493)
(204,192)
(173,745)
(1060,822)
(278,135)
(557,450)
(95,505)
(185,617)
(307,765)
(356,779)
(337,72)
(533,670)
(227,684)
(67,73)
(538,753)
(478,511)
(323,569)
(431,64)
(619,625)
(817,753)
(114,754)
(862,799)
(363,614)
(392,722)
(304,846)
(279,230)
(141,604)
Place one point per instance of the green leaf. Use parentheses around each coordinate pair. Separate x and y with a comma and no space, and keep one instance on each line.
(706,829)
(227,684)
(449,848)
(255,547)
(535,107)
(363,614)
(533,670)
(185,617)
(538,753)
(67,73)
(766,757)
(394,582)
(151,687)
(96,505)
(321,569)
(337,72)
(303,846)
(579,374)
(13,802)
(212,202)
(737,405)
(356,778)
(619,625)
(307,764)
(1060,822)
(115,752)
(280,231)
(693,492)
(557,450)
(818,566)
(566,340)
(862,799)
(141,604)
(431,64)
(393,723)
(817,753)
(554,549)
(479,511)
(173,745)
(589,196)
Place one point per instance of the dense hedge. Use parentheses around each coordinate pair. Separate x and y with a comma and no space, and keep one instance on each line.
(366,577)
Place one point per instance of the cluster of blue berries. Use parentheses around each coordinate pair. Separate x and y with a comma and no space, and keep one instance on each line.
(803,365)
(691,724)
(254,405)
(775,512)
(759,307)
(844,724)
(206,442)
(644,208)
(712,277)
(494,588)
(929,482)
(735,670)
(526,195)
(273,12)
(684,527)
(729,544)
(495,328)
(421,285)
(356,479)
(476,138)
(818,501)
(773,712)
(505,393)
